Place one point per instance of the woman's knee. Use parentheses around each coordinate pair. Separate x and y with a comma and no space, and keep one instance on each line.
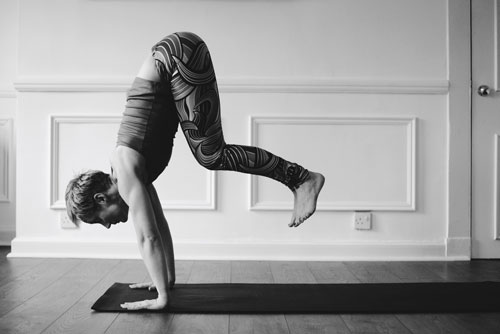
(209,160)
(148,70)
(210,163)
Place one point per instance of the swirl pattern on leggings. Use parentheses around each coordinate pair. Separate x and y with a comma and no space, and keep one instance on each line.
(184,60)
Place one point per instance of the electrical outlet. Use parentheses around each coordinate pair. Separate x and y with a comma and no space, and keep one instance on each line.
(362,220)
(65,222)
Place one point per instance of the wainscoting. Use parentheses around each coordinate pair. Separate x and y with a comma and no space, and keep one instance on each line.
(374,96)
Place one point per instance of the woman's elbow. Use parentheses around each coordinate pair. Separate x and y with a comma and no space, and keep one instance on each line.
(150,240)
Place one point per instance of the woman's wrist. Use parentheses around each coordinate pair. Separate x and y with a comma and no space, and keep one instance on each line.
(162,295)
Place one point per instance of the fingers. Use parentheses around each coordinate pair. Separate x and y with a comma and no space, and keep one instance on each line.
(150,304)
(150,286)
(136,305)
(145,304)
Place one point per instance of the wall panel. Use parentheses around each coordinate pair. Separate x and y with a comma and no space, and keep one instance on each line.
(78,140)
(6,143)
(371,161)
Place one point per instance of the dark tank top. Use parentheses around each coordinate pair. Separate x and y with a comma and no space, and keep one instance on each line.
(149,124)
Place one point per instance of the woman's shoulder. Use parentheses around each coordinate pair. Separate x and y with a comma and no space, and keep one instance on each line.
(125,160)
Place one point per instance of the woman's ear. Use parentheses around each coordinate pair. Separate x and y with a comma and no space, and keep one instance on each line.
(100,198)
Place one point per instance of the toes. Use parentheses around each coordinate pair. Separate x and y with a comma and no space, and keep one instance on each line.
(295,222)
(303,219)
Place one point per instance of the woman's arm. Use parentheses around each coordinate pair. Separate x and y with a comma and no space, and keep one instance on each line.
(129,169)
(164,234)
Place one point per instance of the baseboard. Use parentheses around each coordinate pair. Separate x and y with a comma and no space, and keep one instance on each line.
(458,248)
(339,251)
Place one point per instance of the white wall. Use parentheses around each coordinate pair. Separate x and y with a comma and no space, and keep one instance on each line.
(8,65)
(355,89)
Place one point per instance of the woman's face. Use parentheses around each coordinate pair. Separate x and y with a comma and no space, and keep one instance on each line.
(113,210)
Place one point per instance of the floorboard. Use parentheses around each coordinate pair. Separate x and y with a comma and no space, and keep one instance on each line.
(316,324)
(55,296)
(37,313)
(210,272)
(451,271)
(372,272)
(265,324)
(80,319)
(374,323)
(432,323)
(479,323)
(251,272)
(149,322)
(482,270)
(332,272)
(254,272)
(20,289)
(10,269)
(204,272)
(412,272)
(292,272)
(304,272)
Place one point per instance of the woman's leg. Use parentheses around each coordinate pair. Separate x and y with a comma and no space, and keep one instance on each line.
(183,60)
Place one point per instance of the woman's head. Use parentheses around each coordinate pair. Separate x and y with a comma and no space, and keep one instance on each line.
(93,197)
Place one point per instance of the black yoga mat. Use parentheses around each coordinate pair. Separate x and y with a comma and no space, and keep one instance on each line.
(315,298)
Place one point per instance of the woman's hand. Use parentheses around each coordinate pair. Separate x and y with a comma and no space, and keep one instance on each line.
(150,286)
(150,304)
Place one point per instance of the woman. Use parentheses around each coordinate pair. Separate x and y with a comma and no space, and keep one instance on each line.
(176,84)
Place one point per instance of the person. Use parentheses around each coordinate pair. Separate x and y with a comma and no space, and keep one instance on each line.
(175,85)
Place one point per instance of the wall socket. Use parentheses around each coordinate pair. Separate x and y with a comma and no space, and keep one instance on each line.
(363,220)
(65,222)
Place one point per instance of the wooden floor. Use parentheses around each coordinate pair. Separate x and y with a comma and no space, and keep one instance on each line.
(55,295)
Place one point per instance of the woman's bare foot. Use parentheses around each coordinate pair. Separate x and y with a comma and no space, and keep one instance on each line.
(305,198)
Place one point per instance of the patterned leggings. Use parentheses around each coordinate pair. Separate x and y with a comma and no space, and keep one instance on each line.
(183,60)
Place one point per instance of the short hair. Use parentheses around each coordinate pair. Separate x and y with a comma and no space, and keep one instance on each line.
(80,203)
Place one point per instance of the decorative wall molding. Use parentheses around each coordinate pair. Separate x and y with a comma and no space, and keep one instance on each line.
(247,85)
(408,204)
(209,205)
(496,186)
(57,201)
(72,84)
(7,94)
(497,45)
(333,85)
(284,251)
(6,141)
